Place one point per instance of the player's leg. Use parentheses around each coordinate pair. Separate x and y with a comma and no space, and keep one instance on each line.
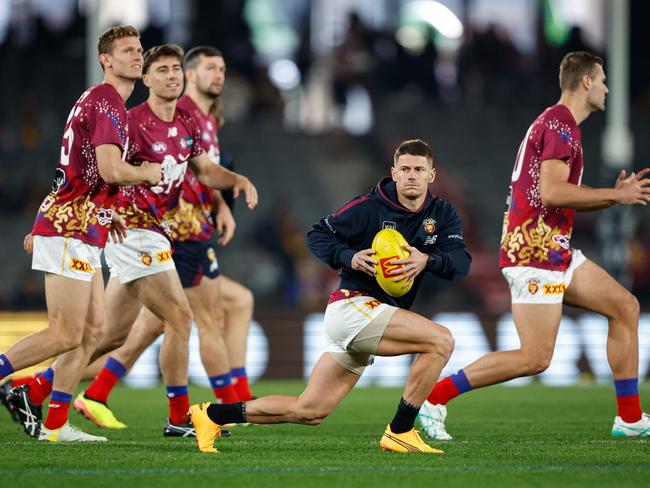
(328,384)
(205,302)
(163,295)
(69,369)
(592,288)
(238,304)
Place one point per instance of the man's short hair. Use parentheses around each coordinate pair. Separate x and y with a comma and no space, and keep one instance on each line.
(105,42)
(574,66)
(414,147)
(163,51)
(193,56)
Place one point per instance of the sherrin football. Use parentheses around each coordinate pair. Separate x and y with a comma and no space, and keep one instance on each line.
(388,247)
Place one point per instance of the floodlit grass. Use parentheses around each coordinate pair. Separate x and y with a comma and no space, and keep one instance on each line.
(504,436)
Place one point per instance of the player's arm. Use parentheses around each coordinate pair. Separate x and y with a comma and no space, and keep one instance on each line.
(219,178)
(115,171)
(224,220)
(556,191)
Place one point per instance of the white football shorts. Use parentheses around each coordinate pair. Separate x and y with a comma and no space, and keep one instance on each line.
(353,328)
(66,256)
(535,285)
(142,253)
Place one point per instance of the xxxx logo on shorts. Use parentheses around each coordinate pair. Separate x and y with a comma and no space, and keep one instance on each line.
(533,285)
(386,267)
(372,304)
(146,259)
(163,256)
(554,289)
(79,265)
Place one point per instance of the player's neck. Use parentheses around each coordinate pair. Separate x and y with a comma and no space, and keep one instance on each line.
(123,86)
(576,106)
(412,205)
(163,109)
(202,101)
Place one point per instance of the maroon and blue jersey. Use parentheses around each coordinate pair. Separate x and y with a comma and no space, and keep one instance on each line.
(80,203)
(172,145)
(535,235)
(193,219)
(434,229)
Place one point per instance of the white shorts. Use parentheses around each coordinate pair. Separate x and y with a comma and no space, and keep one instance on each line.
(143,253)
(66,256)
(535,285)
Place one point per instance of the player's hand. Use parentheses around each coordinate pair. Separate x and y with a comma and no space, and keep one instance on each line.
(28,243)
(411,266)
(151,173)
(633,189)
(117,231)
(243,184)
(225,225)
(364,262)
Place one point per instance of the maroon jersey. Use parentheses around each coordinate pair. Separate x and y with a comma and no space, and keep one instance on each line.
(193,218)
(80,203)
(535,235)
(171,144)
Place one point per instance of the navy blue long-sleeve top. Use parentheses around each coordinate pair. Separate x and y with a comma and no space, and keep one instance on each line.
(435,229)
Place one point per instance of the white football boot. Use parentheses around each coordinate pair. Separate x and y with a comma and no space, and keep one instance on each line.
(640,428)
(432,419)
(67,433)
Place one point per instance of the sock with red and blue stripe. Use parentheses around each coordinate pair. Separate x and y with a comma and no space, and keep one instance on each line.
(41,386)
(240,382)
(627,399)
(449,388)
(179,404)
(105,381)
(223,388)
(57,413)
(5,366)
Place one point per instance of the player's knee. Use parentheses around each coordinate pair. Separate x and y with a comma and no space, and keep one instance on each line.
(245,299)
(94,335)
(537,363)
(630,309)
(69,341)
(312,416)
(442,342)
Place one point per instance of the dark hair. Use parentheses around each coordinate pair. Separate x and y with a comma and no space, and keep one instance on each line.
(164,50)
(574,66)
(192,57)
(414,147)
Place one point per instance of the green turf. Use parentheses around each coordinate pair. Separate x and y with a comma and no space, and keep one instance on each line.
(533,436)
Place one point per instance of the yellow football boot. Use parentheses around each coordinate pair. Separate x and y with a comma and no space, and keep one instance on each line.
(407,442)
(206,430)
(97,413)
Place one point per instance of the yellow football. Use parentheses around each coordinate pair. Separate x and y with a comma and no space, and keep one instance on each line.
(388,247)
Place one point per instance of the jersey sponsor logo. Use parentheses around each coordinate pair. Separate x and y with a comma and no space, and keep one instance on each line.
(429,226)
(186,142)
(533,285)
(430,240)
(104,216)
(163,256)
(172,132)
(387,267)
(455,236)
(146,259)
(159,147)
(81,265)
(372,304)
(554,289)
(562,240)
(387,224)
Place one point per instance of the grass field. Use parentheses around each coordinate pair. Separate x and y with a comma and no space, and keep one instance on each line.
(533,436)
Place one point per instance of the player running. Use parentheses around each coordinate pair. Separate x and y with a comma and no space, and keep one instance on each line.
(361,319)
(71,228)
(543,270)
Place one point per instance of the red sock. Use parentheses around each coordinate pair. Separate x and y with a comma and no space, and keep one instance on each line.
(227,394)
(39,389)
(57,413)
(241,387)
(444,391)
(629,408)
(178,408)
(102,386)
(21,381)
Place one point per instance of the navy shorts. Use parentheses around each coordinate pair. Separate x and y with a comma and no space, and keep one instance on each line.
(194,260)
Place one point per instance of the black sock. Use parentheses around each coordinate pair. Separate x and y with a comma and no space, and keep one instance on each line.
(227,413)
(404,419)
